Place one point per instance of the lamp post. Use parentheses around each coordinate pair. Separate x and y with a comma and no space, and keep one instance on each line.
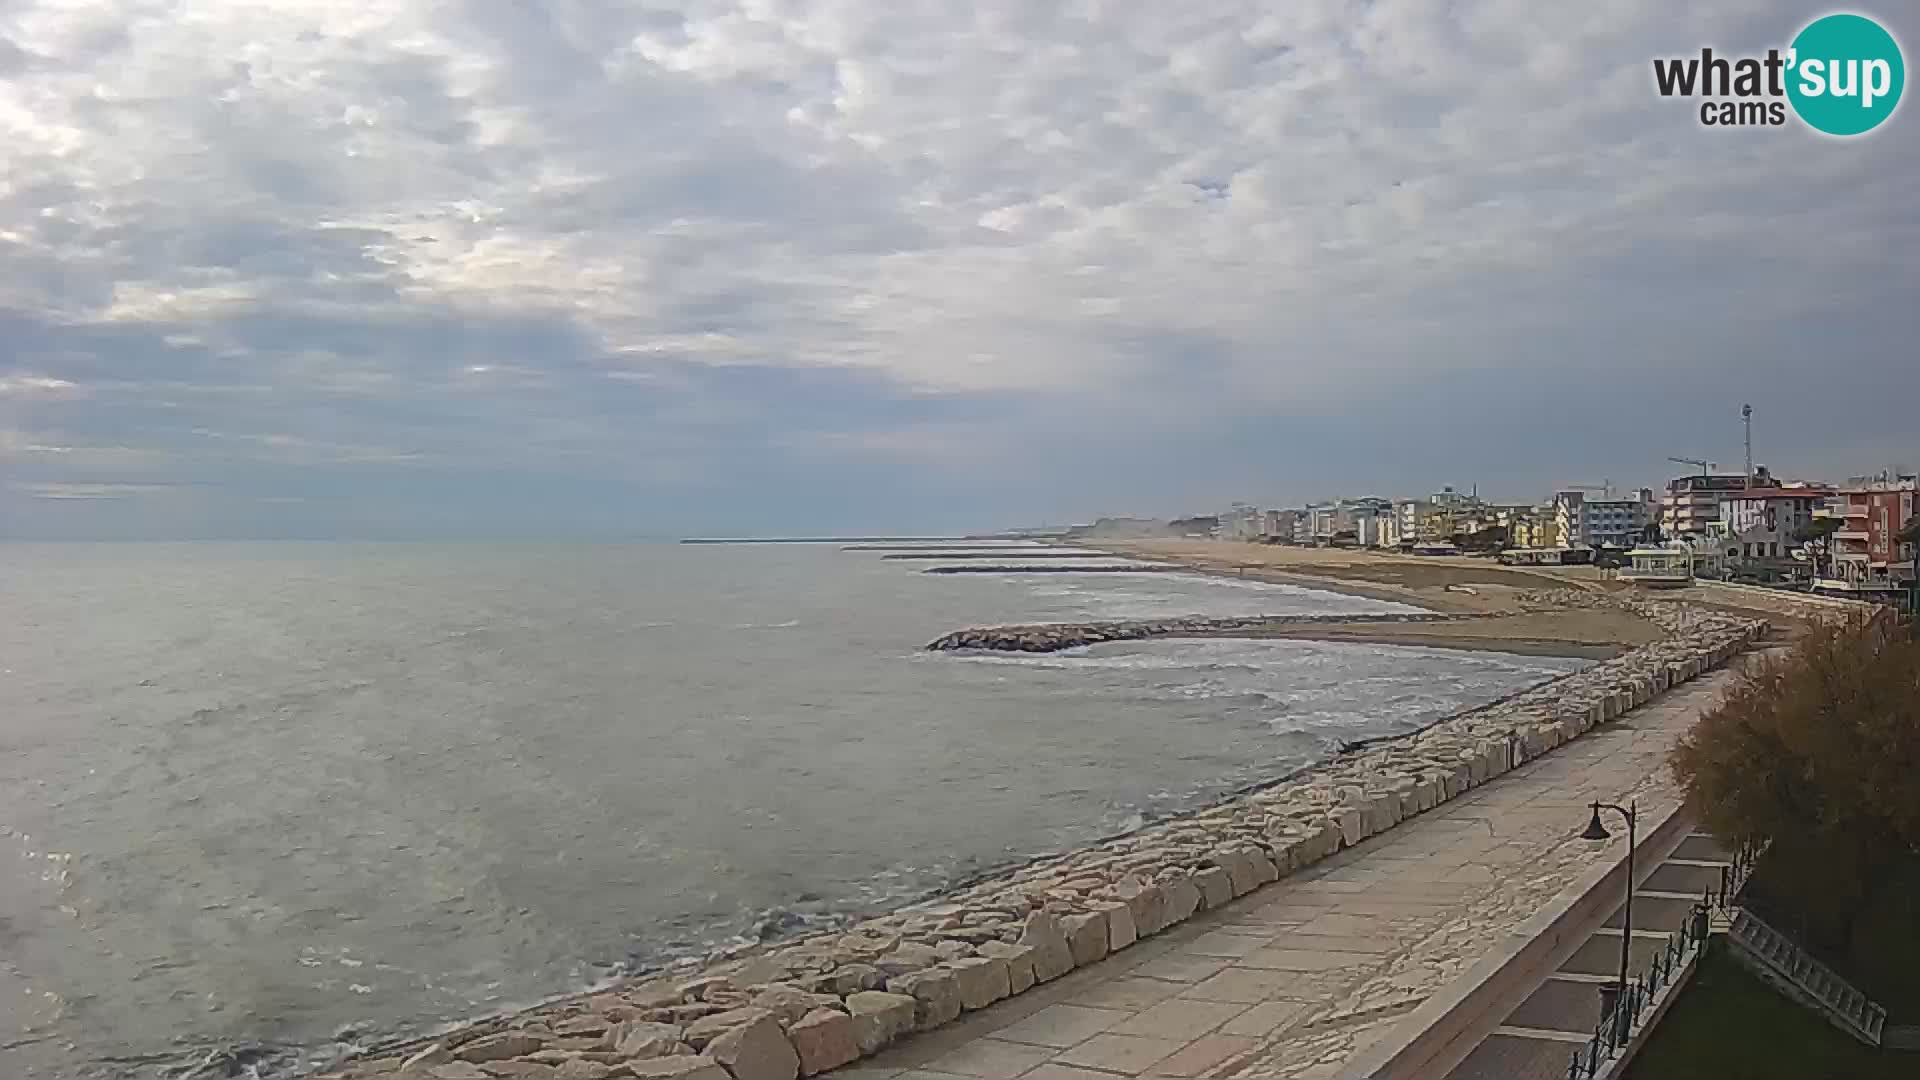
(1597,831)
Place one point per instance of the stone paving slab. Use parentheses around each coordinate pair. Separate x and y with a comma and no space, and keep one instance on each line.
(1693,880)
(1654,913)
(1506,1057)
(1559,1005)
(1297,979)
(1700,848)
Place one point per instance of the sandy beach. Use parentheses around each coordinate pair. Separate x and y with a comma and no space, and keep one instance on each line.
(1430,581)
(1451,585)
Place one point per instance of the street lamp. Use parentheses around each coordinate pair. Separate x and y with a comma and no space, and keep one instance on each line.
(1597,831)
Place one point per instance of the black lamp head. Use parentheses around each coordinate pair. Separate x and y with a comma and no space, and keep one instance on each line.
(1595,830)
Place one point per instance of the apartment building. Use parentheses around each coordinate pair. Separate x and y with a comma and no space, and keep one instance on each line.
(1761,529)
(1691,505)
(1408,517)
(1535,529)
(1390,529)
(1279,524)
(1761,526)
(1241,522)
(1867,555)
(1582,520)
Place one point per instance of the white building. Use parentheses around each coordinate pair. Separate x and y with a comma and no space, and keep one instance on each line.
(1364,518)
(1762,525)
(1323,520)
(1692,503)
(1408,516)
(1242,522)
(1279,524)
(1674,564)
(1389,529)
(1609,521)
(1366,528)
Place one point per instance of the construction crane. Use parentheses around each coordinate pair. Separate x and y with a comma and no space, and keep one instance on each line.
(1706,467)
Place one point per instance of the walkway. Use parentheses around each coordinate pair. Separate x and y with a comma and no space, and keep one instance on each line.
(1294,980)
(1559,1016)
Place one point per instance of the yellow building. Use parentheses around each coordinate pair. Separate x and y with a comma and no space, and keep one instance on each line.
(1533,531)
(1438,525)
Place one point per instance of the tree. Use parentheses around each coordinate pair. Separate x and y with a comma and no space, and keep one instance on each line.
(1490,538)
(1818,751)
(1817,535)
(1910,532)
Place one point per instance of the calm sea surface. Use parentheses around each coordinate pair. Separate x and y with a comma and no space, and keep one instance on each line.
(276,795)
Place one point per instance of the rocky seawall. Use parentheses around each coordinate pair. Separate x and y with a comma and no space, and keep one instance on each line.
(1052,637)
(798,1009)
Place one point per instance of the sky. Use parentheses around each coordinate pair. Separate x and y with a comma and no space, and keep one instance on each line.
(622,268)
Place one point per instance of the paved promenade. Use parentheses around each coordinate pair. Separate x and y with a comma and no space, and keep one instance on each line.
(1557,1018)
(1295,980)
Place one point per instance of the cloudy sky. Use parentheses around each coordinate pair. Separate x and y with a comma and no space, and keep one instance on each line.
(625,267)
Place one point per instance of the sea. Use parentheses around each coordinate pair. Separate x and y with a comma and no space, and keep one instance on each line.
(263,803)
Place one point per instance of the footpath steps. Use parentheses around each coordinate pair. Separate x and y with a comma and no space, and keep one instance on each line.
(1559,1018)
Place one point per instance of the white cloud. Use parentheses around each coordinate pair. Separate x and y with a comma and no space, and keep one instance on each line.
(68,492)
(1108,209)
(34,385)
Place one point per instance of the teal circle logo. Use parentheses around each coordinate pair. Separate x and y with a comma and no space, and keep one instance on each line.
(1845,74)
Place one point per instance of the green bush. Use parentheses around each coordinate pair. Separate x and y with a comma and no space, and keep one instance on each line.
(1818,751)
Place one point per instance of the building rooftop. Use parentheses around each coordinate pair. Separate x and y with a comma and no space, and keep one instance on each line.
(1878,483)
(1781,492)
(1715,482)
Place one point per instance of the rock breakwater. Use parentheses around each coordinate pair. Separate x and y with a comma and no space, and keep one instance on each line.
(1052,637)
(802,1008)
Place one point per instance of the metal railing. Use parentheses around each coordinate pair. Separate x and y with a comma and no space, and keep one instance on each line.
(1734,877)
(1623,1015)
(1840,1000)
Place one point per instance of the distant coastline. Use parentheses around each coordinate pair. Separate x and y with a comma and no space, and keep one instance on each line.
(834,539)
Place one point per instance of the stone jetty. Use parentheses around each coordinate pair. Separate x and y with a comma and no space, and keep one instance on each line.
(777,1012)
(1052,637)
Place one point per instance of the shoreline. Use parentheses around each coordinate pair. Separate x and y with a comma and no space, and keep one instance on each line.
(1362,572)
(741,983)
(1413,639)
(808,1005)
(1513,635)
(1223,567)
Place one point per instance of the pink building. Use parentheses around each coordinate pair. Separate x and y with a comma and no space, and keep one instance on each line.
(1866,555)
